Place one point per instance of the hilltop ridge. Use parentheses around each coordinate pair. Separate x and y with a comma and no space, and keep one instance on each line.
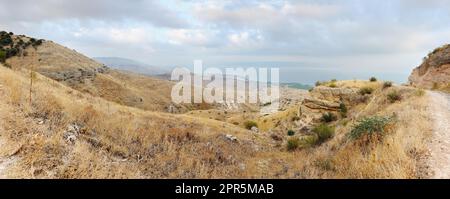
(434,72)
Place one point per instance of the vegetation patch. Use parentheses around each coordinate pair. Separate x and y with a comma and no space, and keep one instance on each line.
(343,109)
(387,84)
(293,143)
(291,133)
(328,117)
(394,96)
(370,126)
(365,91)
(373,79)
(250,124)
(324,132)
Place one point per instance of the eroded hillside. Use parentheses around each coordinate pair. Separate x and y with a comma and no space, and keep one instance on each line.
(109,124)
(434,72)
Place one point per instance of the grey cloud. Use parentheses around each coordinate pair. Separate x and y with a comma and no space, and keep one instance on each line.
(103,10)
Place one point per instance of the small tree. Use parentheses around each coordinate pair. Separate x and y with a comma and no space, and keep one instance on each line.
(373,79)
(343,109)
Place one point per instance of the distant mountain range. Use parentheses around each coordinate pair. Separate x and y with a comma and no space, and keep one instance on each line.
(297,86)
(131,65)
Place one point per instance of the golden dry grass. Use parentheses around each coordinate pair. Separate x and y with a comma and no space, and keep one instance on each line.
(118,141)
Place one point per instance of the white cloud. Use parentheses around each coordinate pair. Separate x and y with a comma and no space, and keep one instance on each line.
(190,37)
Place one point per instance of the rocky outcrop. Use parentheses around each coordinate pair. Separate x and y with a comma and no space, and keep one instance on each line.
(321,104)
(434,72)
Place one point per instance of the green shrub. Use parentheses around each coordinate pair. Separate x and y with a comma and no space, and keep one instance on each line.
(324,132)
(291,133)
(366,90)
(37,43)
(370,126)
(334,80)
(11,52)
(293,143)
(394,96)
(250,124)
(373,79)
(332,85)
(343,109)
(309,141)
(2,56)
(318,83)
(387,84)
(328,117)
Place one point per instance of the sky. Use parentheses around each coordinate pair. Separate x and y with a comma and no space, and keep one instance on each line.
(308,40)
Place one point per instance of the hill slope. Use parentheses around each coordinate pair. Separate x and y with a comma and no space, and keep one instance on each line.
(434,72)
(84,74)
(109,124)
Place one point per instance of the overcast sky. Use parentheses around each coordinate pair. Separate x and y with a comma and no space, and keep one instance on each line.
(309,40)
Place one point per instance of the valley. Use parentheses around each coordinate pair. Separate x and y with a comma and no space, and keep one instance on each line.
(64,115)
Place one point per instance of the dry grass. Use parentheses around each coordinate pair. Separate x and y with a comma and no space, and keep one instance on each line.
(117,141)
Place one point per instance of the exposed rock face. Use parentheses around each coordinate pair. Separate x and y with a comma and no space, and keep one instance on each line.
(434,72)
(323,100)
(321,104)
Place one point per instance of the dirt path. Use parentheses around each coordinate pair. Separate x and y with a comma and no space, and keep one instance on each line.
(439,160)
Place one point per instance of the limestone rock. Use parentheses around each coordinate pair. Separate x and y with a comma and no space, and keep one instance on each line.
(434,71)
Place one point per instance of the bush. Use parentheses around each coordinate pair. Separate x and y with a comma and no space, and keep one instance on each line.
(37,43)
(373,79)
(334,80)
(11,52)
(250,124)
(332,85)
(291,133)
(420,92)
(343,109)
(293,144)
(2,56)
(369,126)
(328,117)
(366,90)
(6,40)
(324,132)
(309,141)
(318,83)
(387,84)
(394,96)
